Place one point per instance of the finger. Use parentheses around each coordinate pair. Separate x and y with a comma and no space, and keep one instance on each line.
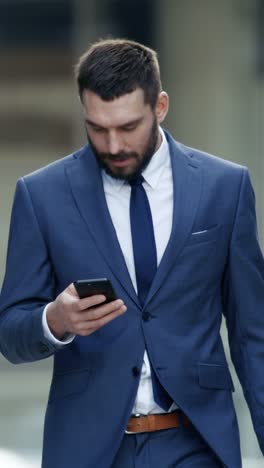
(101,311)
(72,290)
(91,301)
(89,326)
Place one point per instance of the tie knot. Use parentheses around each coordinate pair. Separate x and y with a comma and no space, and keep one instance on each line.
(136,181)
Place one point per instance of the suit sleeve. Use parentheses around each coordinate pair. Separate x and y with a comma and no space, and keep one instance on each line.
(28,286)
(244,305)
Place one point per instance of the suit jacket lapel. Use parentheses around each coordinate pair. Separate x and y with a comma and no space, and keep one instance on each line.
(87,189)
(186,189)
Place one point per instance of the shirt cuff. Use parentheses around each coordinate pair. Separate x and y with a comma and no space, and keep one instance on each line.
(67,339)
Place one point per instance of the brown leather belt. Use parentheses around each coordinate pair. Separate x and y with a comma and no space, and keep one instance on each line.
(157,422)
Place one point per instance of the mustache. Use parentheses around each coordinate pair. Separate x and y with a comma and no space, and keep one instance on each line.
(122,156)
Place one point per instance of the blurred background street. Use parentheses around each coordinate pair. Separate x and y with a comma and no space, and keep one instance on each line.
(212,65)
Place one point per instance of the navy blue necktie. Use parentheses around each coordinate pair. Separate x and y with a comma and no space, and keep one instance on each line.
(144,246)
(145,259)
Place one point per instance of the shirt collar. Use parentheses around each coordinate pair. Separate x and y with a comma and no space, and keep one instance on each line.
(151,173)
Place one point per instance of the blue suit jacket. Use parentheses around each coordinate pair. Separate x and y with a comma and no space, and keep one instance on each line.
(61,231)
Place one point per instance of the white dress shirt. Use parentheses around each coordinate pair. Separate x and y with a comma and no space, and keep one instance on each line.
(158,185)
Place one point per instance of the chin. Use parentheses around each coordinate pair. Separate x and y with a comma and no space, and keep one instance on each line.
(120,173)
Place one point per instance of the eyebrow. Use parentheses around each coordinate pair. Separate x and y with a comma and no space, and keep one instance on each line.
(126,124)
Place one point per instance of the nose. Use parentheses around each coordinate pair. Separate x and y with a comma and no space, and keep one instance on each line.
(114,143)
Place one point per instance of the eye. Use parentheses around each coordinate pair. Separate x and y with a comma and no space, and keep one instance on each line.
(129,128)
(97,129)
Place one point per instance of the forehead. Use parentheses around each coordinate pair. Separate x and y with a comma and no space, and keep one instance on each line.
(114,113)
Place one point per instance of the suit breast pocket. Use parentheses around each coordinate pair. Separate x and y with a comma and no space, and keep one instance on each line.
(204,236)
(203,259)
(68,384)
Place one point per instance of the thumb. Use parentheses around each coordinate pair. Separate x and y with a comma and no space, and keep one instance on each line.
(72,290)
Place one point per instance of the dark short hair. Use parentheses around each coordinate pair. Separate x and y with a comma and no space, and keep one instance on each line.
(113,67)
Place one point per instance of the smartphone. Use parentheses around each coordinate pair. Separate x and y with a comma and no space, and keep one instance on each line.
(90,287)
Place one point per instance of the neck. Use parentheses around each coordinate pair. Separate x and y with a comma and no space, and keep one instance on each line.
(159,141)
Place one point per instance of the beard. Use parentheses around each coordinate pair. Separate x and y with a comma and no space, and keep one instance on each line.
(141,161)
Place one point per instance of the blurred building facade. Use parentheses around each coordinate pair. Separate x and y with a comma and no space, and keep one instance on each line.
(212,65)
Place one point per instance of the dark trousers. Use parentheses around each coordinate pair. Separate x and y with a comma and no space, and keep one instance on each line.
(180,447)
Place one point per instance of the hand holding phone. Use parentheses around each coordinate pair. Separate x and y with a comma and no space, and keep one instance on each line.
(69,314)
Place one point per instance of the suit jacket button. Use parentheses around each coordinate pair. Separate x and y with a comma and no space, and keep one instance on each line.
(43,348)
(135,371)
(146,316)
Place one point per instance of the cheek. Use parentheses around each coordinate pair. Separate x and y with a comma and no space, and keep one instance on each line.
(138,142)
(133,144)
(98,141)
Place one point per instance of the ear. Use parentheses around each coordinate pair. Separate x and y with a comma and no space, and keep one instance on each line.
(162,106)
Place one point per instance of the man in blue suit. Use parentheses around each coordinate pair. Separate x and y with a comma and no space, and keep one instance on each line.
(141,381)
